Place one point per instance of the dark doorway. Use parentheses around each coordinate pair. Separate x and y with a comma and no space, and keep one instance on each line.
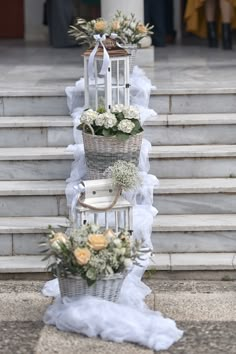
(12,19)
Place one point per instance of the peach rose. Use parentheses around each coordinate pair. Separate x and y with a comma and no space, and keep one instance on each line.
(97,241)
(115,25)
(82,255)
(100,25)
(141,28)
(109,234)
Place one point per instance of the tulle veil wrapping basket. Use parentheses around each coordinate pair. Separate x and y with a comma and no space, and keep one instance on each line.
(107,288)
(102,152)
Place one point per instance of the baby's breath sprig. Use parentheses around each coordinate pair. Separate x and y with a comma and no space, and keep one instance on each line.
(124,174)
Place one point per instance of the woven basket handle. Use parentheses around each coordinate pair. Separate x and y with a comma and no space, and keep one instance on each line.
(109,207)
(89,126)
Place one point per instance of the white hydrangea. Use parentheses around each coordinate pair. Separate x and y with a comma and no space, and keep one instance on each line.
(88,116)
(117,108)
(126,126)
(131,112)
(100,120)
(109,120)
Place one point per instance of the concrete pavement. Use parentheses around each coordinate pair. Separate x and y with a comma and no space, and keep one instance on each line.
(205,310)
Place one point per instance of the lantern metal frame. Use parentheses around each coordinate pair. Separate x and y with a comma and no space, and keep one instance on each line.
(100,193)
(114,87)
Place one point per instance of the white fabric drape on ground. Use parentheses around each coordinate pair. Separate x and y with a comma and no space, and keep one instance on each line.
(129,319)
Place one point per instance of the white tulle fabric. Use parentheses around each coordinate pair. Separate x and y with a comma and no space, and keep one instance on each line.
(129,319)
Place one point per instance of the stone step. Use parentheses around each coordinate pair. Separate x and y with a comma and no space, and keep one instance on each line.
(22,235)
(191,129)
(169,130)
(36,101)
(33,102)
(193,161)
(172,196)
(191,262)
(175,129)
(45,163)
(196,196)
(193,100)
(166,162)
(194,233)
(33,198)
(38,131)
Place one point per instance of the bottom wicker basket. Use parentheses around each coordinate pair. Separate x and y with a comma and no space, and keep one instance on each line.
(107,288)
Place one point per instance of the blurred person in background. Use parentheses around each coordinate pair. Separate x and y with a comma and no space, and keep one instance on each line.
(209,18)
(160,14)
(59,15)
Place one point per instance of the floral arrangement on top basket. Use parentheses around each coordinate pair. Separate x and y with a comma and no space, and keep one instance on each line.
(127,29)
(121,122)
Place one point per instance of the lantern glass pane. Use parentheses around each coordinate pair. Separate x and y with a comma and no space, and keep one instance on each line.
(122,72)
(96,87)
(96,96)
(118,72)
(118,80)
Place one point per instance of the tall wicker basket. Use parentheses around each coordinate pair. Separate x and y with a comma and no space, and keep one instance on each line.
(102,152)
(132,51)
(107,288)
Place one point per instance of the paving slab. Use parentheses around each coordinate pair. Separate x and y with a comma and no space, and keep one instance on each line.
(205,337)
(197,307)
(190,286)
(61,343)
(194,304)
(19,336)
(23,306)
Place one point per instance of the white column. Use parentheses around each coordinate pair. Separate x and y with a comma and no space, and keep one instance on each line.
(109,7)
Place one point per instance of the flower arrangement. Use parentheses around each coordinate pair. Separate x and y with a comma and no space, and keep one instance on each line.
(91,252)
(124,175)
(120,121)
(127,29)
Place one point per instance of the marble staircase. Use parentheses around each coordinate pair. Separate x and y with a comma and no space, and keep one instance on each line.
(193,155)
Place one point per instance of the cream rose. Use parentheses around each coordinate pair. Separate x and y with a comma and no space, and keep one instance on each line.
(57,239)
(82,255)
(141,28)
(97,241)
(115,25)
(100,25)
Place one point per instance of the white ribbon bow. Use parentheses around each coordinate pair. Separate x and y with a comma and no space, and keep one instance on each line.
(106,60)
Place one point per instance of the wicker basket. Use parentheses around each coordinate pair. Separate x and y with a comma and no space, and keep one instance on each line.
(132,51)
(107,288)
(102,152)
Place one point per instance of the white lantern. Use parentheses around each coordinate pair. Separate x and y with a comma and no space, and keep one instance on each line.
(99,194)
(112,87)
